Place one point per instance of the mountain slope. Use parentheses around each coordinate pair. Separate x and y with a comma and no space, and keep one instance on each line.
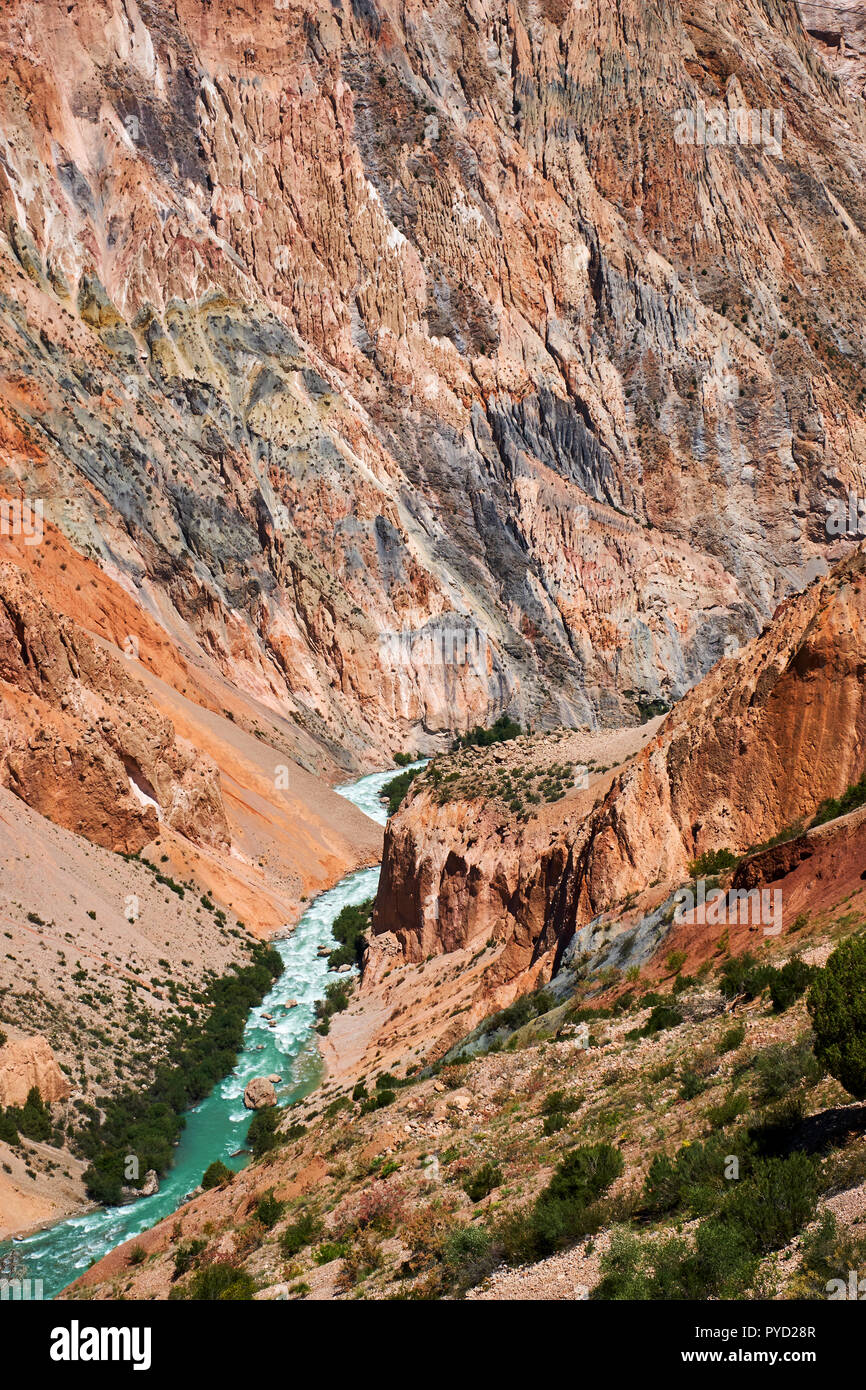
(405,365)
(754,749)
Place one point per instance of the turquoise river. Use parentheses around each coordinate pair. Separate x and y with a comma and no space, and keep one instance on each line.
(217,1127)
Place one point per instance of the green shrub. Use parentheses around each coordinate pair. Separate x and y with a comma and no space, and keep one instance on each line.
(713,861)
(789,983)
(691,1084)
(747,1219)
(692,1181)
(268,1209)
(718,1263)
(336,999)
(564,1210)
(466,1245)
(262,1134)
(744,975)
(300,1234)
(482,1182)
(559,1103)
(330,1250)
(377,1101)
(735,1104)
(837,1008)
(732,1038)
(220,1281)
(776,1200)
(828,1253)
(554,1123)
(8,1128)
(662,1017)
(394,792)
(350,928)
(501,731)
(216,1174)
(185,1255)
(840,806)
(783,1066)
(521,1012)
(33,1120)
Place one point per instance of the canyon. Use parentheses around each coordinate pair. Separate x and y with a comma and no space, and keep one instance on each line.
(344,341)
(368,373)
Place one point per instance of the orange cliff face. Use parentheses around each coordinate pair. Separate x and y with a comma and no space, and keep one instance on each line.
(100,744)
(405,367)
(26,1062)
(752,750)
(82,743)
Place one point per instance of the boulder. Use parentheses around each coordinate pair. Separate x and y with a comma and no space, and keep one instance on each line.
(259,1093)
(150,1186)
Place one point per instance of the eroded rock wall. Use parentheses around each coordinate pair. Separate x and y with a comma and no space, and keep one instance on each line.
(404,362)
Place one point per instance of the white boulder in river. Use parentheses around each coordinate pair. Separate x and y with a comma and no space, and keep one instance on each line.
(259,1093)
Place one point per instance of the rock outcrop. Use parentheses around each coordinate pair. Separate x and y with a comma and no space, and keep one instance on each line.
(81,741)
(751,751)
(410,365)
(26,1062)
(839,28)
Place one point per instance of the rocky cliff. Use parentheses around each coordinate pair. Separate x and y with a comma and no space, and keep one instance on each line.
(406,363)
(839,29)
(26,1062)
(750,752)
(81,741)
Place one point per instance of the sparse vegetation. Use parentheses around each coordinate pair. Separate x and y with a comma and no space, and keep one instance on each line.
(712,862)
(834,807)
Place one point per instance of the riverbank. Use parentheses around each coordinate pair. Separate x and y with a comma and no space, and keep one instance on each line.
(279,1038)
(87,931)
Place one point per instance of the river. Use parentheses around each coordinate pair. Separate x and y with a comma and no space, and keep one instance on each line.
(217,1127)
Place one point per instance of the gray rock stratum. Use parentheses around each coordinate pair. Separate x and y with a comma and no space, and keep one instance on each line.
(406,365)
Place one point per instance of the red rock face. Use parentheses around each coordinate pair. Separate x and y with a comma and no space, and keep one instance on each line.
(406,365)
(82,743)
(752,750)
